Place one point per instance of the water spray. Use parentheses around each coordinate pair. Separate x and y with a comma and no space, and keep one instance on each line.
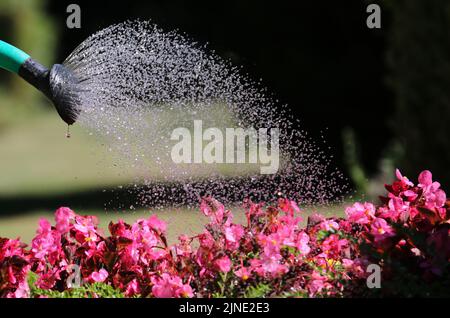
(58,83)
(133,84)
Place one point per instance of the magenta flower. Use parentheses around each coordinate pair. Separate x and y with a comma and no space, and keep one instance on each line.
(185,291)
(333,245)
(168,286)
(233,235)
(317,283)
(99,276)
(156,224)
(163,287)
(329,225)
(243,273)
(434,197)
(327,258)
(403,179)
(132,288)
(288,206)
(63,217)
(85,224)
(380,229)
(223,264)
(302,243)
(360,213)
(213,209)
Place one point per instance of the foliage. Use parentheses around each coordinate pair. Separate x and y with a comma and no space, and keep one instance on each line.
(407,236)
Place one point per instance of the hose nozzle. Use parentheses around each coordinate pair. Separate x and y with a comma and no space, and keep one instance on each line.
(59,84)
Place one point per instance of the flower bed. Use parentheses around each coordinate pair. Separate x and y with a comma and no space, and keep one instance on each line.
(406,237)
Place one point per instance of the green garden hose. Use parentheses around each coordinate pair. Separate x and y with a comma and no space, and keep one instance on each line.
(59,84)
(11,58)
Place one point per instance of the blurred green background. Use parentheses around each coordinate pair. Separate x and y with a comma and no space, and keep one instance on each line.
(380,97)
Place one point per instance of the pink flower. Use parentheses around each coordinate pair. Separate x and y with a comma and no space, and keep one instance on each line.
(398,210)
(288,206)
(223,264)
(347,263)
(317,283)
(243,273)
(434,197)
(185,291)
(329,225)
(333,245)
(409,195)
(269,265)
(44,226)
(22,291)
(170,286)
(157,224)
(133,288)
(163,287)
(380,229)
(183,248)
(85,224)
(403,179)
(99,276)
(46,241)
(233,235)
(302,243)
(400,186)
(213,209)
(360,213)
(63,216)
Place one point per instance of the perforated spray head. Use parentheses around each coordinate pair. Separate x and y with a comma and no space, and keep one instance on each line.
(64,93)
(59,84)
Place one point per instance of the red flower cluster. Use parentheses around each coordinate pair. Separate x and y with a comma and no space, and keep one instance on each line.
(271,253)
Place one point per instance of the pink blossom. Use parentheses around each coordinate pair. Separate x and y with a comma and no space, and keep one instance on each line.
(329,225)
(224,264)
(99,276)
(403,179)
(22,291)
(327,258)
(133,288)
(157,224)
(317,283)
(213,209)
(185,291)
(333,245)
(302,243)
(85,224)
(288,206)
(63,216)
(168,286)
(380,229)
(234,233)
(243,273)
(360,213)
(434,197)
(163,287)
(269,264)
